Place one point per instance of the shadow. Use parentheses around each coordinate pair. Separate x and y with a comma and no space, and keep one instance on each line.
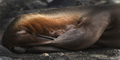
(0,40)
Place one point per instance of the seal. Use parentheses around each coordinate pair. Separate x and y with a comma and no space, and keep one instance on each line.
(64,29)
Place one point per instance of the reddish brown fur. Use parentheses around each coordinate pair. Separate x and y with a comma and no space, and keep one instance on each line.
(44,25)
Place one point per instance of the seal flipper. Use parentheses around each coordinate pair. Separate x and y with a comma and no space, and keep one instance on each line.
(85,34)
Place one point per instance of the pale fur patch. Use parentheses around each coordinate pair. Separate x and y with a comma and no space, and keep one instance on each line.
(21,32)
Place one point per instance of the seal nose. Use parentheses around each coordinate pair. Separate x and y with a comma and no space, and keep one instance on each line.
(15,49)
(8,47)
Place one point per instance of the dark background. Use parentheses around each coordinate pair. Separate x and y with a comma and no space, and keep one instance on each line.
(9,9)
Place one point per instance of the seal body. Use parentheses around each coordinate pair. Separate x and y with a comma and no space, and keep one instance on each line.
(64,29)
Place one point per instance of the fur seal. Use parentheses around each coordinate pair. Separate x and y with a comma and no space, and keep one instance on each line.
(64,29)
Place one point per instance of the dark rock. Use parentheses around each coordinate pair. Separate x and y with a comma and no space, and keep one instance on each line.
(36,4)
(62,3)
(5,58)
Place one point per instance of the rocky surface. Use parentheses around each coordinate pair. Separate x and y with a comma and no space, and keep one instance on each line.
(90,54)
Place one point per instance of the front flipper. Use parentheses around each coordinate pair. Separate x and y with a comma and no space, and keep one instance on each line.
(84,35)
